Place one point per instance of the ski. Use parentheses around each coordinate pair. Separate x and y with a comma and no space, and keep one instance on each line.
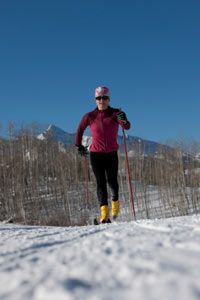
(96,222)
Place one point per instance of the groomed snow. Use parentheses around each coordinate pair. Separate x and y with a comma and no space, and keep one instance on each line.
(147,259)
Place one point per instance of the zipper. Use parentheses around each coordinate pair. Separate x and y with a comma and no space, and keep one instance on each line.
(103,128)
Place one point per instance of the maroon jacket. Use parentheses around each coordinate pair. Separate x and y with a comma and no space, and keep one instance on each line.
(104,129)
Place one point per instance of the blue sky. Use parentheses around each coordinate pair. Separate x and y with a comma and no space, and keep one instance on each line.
(54,53)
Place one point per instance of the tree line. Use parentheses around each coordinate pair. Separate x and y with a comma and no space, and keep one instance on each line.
(43,182)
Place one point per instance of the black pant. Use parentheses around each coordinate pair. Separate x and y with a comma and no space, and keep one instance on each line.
(105,168)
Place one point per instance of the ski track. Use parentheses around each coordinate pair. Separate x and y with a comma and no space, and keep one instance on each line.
(147,259)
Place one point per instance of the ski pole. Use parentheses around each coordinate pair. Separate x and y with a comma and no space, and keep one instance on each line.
(128,172)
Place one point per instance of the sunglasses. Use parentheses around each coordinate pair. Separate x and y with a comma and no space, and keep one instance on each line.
(102,98)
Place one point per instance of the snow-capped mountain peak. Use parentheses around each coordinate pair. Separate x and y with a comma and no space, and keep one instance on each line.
(57,134)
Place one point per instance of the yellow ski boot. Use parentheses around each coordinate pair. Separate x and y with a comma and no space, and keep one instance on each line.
(115,208)
(104,218)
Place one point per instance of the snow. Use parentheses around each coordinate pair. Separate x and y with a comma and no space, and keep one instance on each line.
(147,259)
(41,137)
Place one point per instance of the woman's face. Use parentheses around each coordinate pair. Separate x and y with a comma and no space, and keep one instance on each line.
(102,102)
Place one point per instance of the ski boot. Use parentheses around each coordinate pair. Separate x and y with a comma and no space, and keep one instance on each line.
(104,218)
(115,208)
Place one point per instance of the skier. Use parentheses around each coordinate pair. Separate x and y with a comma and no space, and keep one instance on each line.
(104,123)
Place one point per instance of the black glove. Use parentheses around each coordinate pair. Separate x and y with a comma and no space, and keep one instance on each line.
(121,116)
(82,150)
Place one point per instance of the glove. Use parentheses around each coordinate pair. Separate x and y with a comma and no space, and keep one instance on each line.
(82,150)
(121,116)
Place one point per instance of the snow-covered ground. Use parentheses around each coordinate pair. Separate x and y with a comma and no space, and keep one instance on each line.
(148,259)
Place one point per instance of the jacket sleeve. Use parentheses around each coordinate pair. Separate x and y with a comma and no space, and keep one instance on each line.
(81,128)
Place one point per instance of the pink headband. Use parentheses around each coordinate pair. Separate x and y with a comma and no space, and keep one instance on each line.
(102,91)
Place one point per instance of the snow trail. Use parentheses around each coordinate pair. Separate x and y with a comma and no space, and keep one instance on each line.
(148,259)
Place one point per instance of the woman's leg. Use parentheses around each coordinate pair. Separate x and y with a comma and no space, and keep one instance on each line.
(112,173)
(98,166)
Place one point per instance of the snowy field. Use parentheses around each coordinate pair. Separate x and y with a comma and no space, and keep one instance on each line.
(148,259)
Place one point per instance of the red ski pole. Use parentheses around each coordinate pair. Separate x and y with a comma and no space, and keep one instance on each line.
(128,172)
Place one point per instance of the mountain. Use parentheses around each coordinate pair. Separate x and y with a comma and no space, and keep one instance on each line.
(145,147)
(57,134)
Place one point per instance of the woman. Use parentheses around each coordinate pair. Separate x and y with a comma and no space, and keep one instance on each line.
(104,123)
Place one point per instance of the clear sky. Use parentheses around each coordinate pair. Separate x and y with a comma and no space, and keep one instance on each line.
(54,53)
